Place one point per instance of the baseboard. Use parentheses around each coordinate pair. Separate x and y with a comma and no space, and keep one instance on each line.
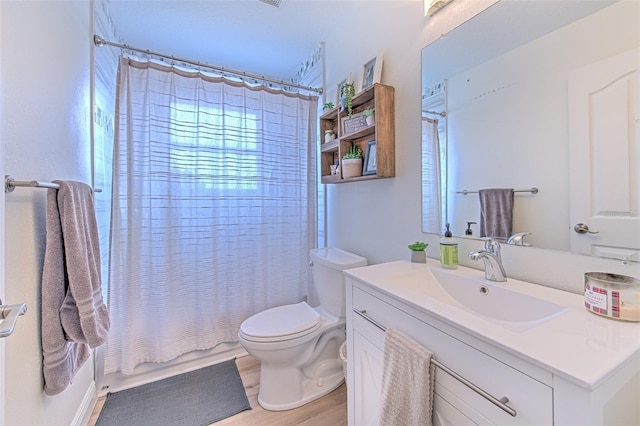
(151,372)
(86,407)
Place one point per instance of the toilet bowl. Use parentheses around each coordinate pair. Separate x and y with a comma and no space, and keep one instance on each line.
(298,345)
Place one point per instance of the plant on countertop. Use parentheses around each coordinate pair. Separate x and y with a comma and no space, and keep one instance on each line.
(368,112)
(354,152)
(328,105)
(418,246)
(347,92)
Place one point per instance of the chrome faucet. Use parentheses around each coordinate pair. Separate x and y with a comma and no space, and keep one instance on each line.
(493,269)
(518,239)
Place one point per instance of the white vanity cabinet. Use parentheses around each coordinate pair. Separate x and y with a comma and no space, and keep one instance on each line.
(454,403)
(534,395)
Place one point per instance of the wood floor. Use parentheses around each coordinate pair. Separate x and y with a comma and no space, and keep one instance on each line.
(328,410)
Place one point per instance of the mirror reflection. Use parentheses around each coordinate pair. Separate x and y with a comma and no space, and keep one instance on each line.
(533,109)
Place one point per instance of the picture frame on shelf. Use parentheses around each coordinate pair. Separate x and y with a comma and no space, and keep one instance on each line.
(370,159)
(340,85)
(371,72)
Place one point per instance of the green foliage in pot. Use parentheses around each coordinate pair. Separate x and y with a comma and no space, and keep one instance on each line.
(347,92)
(354,152)
(368,112)
(328,105)
(418,246)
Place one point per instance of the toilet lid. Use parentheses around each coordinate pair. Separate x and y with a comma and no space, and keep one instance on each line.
(281,321)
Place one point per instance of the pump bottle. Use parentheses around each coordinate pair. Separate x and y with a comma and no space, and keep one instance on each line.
(448,250)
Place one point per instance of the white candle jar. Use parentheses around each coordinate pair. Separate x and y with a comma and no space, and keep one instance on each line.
(612,295)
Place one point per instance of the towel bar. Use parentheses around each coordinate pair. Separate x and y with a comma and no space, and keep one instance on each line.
(532,190)
(499,402)
(10,184)
(9,314)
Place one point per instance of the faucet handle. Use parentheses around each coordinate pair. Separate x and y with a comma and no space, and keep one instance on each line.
(518,238)
(491,245)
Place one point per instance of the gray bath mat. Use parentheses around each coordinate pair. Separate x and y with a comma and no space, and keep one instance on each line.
(196,398)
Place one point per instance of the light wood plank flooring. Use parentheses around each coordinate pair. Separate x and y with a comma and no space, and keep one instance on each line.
(328,410)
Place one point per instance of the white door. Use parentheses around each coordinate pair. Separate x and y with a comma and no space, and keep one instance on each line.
(604,132)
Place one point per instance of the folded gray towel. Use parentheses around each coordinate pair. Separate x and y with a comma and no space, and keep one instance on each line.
(84,316)
(74,316)
(496,212)
(61,358)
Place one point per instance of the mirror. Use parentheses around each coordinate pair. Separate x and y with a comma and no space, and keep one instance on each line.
(500,87)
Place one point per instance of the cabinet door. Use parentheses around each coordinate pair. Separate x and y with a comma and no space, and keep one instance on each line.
(367,364)
(445,414)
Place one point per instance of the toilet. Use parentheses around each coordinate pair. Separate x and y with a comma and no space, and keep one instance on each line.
(297,345)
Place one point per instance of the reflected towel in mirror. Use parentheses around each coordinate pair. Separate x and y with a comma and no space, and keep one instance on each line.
(496,212)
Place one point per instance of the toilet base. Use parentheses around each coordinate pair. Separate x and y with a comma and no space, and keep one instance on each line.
(297,371)
(310,391)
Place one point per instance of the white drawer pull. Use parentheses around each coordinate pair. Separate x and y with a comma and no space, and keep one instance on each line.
(499,402)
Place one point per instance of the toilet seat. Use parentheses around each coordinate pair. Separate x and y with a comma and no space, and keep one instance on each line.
(281,323)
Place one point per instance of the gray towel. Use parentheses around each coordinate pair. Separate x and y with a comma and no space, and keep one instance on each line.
(408,380)
(496,212)
(74,316)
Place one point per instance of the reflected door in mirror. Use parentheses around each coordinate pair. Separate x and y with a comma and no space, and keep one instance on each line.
(604,133)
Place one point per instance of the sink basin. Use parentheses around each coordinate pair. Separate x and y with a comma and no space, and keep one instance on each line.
(467,289)
(495,301)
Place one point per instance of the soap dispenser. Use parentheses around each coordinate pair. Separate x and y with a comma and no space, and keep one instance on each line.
(448,250)
(468,231)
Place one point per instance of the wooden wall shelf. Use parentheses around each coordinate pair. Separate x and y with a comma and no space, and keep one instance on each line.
(380,98)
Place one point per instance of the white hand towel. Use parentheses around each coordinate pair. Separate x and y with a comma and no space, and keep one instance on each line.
(408,380)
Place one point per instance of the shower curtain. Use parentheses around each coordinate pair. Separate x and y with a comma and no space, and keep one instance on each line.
(213,209)
(431,177)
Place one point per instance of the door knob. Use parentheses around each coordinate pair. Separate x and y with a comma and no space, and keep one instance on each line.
(582,228)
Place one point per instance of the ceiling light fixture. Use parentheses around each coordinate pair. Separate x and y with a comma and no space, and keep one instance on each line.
(275,3)
(433,6)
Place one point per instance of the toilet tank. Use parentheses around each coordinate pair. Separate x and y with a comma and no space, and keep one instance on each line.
(327,264)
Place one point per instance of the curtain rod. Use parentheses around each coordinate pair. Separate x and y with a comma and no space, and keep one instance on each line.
(99,41)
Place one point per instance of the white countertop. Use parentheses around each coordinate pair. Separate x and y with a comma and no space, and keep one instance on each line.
(577,345)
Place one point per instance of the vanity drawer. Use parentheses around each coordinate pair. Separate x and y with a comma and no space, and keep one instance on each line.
(532,400)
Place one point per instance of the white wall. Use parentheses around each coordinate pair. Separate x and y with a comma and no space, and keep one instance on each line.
(2,410)
(377,219)
(46,117)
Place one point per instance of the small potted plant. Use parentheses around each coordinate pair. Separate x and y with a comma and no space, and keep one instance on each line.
(328,105)
(418,253)
(370,116)
(347,92)
(352,163)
